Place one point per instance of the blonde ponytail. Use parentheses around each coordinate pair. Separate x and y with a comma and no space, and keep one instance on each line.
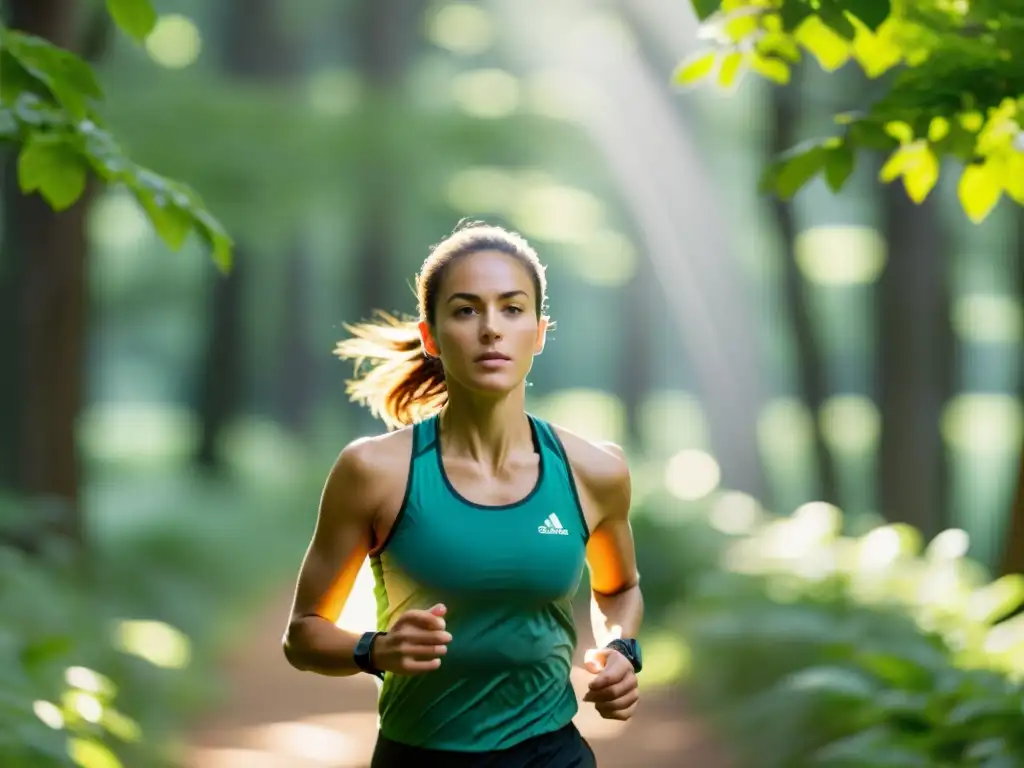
(403,385)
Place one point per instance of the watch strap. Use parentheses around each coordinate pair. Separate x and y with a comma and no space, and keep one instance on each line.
(363,654)
(629,648)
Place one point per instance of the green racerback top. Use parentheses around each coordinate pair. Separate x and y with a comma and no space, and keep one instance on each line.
(507,575)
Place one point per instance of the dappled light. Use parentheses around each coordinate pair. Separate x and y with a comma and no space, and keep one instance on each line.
(983,423)
(692,475)
(557,213)
(158,643)
(334,91)
(486,93)
(840,256)
(590,413)
(851,424)
(735,513)
(463,28)
(989,318)
(175,42)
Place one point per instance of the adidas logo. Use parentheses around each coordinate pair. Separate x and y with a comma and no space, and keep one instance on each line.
(552,525)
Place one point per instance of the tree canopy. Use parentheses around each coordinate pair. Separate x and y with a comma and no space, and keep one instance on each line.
(48,109)
(951,77)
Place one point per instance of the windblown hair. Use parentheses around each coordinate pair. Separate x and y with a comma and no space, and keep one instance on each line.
(402,384)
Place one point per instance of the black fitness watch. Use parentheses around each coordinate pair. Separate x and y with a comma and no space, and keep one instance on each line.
(362,652)
(629,648)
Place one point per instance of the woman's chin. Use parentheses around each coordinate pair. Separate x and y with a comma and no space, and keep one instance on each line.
(496,383)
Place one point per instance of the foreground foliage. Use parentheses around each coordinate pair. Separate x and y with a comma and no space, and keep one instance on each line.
(48,108)
(861,652)
(950,86)
(105,670)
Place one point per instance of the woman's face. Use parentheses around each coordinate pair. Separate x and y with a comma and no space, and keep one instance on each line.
(486,330)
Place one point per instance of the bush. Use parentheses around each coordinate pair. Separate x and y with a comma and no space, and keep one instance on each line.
(811,648)
(103,666)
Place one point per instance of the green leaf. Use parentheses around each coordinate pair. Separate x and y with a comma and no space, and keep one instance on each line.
(92,754)
(835,17)
(898,670)
(998,599)
(51,166)
(988,749)
(839,164)
(828,47)
(68,78)
(772,69)
(171,223)
(871,12)
(38,654)
(136,17)
(793,13)
(220,241)
(797,167)
(869,134)
(876,747)
(922,173)
(705,8)
(837,682)
(695,68)
(979,190)
(729,71)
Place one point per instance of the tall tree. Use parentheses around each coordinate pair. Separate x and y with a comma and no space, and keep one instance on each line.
(254,49)
(915,348)
(43,306)
(637,335)
(387,35)
(811,368)
(1012,560)
(295,364)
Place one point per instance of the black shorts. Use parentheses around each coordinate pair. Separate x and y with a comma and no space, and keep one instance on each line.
(564,748)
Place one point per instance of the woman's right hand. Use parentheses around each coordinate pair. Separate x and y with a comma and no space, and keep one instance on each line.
(414,644)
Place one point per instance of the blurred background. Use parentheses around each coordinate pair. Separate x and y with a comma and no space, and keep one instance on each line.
(809,392)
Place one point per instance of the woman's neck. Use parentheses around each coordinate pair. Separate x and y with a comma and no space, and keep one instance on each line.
(485,430)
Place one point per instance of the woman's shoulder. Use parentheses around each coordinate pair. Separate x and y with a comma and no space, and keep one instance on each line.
(601,464)
(377,459)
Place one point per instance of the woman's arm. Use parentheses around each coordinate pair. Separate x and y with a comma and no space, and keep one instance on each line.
(603,482)
(341,541)
(617,605)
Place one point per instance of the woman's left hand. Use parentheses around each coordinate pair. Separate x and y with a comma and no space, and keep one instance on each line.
(614,690)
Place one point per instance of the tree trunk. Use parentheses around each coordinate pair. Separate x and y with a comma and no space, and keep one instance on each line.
(915,344)
(387,35)
(1013,551)
(221,375)
(253,49)
(43,300)
(811,372)
(296,371)
(635,357)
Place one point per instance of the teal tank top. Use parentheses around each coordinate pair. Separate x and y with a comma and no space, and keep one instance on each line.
(507,575)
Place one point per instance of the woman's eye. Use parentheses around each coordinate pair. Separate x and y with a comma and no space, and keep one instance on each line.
(463,311)
(514,310)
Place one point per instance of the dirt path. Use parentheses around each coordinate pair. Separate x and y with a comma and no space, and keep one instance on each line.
(275,717)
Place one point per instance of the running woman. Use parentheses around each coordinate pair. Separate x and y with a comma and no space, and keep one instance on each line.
(478,519)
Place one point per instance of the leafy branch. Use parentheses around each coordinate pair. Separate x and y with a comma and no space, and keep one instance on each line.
(954,86)
(48,99)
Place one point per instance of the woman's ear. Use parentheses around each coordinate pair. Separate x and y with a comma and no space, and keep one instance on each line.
(427,339)
(542,334)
